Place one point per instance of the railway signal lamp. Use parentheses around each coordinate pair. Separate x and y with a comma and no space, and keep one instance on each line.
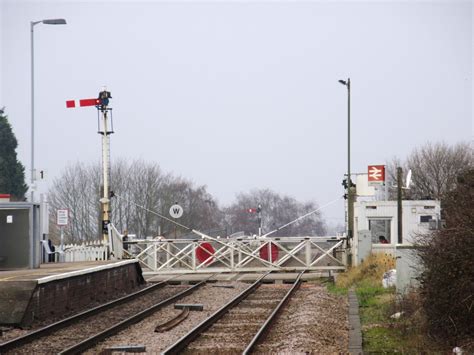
(103,99)
(344,183)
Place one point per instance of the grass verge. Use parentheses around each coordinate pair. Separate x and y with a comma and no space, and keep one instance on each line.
(382,334)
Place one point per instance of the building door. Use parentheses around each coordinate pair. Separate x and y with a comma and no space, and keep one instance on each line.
(14,238)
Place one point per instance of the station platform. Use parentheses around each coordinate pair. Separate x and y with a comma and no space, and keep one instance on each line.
(51,269)
(55,290)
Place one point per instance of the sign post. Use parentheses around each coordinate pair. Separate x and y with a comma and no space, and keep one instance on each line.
(176,211)
(62,220)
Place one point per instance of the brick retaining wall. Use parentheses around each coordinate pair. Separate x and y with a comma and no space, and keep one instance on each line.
(58,298)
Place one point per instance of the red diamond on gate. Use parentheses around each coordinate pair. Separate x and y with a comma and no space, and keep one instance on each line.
(205,253)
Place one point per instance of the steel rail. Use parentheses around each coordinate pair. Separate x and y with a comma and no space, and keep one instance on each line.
(44,331)
(88,343)
(173,322)
(201,327)
(272,317)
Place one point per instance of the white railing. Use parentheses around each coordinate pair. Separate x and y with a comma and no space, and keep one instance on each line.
(88,251)
(208,254)
(85,252)
(238,255)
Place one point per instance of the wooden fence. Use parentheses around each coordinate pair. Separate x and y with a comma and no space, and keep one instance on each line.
(85,252)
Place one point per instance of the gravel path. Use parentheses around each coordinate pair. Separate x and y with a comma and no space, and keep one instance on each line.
(143,332)
(12,332)
(313,322)
(233,332)
(83,329)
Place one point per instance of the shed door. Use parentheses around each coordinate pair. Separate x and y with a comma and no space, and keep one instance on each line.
(14,238)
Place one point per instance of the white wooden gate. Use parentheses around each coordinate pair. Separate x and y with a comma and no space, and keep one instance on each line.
(238,255)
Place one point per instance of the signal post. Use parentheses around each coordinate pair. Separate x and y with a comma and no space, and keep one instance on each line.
(105,128)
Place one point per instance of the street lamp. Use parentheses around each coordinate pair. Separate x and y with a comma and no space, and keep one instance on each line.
(350,196)
(58,21)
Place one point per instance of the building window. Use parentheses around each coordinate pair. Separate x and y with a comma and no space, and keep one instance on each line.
(380,230)
(425,219)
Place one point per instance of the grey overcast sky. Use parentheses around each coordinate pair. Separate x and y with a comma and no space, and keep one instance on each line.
(240,94)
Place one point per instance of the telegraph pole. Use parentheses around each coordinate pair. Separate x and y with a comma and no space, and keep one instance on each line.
(259,211)
(349,184)
(399,205)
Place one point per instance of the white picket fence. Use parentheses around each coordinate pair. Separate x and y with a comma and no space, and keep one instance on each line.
(90,251)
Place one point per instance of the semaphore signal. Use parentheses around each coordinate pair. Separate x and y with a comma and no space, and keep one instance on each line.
(101,103)
(82,103)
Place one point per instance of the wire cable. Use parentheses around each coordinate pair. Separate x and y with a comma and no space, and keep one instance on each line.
(301,217)
(155,213)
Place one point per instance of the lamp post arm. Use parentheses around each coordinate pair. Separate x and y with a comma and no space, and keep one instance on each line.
(32,49)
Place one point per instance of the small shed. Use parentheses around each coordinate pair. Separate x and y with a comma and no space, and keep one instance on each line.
(19,235)
(380,218)
(376,219)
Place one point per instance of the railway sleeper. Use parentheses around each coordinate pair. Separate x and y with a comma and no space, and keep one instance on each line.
(267,295)
(215,336)
(216,345)
(214,350)
(258,303)
(243,313)
(230,327)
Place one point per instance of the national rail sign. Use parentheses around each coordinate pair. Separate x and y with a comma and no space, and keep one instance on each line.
(62,217)
(376,174)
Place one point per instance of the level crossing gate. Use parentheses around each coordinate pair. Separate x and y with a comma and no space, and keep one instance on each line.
(248,254)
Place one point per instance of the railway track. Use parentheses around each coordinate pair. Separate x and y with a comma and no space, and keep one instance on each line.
(241,324)
(79,332)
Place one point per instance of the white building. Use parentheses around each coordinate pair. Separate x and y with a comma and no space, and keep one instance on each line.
(376,231)
(375,219)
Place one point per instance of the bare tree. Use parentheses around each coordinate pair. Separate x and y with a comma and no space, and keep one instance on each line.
(142,192)
(335,228)
(138,187)
(77,190)
(200,209)
(434,167)
(277,210)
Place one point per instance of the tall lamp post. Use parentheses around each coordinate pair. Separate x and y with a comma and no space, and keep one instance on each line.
(350,195)
(58,21)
